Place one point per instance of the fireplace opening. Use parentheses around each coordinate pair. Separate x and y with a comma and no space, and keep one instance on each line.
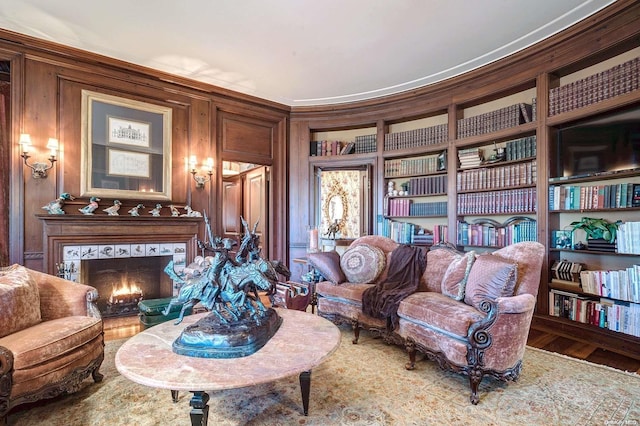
(122,283)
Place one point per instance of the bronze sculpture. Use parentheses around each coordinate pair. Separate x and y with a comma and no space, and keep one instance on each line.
(239,324)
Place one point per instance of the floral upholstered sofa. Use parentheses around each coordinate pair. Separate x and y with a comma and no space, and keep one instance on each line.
(471,312)
(51,336)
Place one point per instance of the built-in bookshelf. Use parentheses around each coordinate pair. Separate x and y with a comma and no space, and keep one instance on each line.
(415,205)
(594,180)
(489,140)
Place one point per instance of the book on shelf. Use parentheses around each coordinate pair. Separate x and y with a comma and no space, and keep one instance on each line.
(348,148)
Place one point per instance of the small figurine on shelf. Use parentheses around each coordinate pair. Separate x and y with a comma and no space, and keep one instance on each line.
(91,207)
(191,213)
(156,211)
(55,206)
(135,211)
(333,230)
(113,210)
(174,210)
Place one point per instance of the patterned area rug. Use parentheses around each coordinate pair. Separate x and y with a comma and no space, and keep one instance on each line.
(365,384)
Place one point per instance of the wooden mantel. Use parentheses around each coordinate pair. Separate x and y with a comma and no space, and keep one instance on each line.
(61,230)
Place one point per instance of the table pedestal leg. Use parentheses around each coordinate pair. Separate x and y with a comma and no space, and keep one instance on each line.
(174,395)
(305,387)
(200,409)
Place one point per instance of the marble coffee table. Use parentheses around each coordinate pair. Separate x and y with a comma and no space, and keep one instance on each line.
(303,341)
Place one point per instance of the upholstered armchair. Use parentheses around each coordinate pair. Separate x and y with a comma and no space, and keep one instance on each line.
(51,336)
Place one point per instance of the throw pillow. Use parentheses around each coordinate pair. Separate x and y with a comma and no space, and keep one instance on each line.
(19,298)
(439,258)
(363,263)
(491,277)
(455,278)
(328,264)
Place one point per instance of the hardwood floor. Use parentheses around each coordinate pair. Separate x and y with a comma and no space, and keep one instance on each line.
(121,328)
(588,352)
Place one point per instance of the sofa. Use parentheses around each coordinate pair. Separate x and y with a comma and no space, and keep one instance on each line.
(51,336)
(471,313)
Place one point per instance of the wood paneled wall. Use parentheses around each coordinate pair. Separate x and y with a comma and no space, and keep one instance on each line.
(207,121)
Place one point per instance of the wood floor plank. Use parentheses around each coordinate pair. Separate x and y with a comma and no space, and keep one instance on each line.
(612,359)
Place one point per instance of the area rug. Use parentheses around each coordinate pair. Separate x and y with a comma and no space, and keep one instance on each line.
(365,384)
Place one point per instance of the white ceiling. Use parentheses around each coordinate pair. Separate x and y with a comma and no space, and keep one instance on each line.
(300,52)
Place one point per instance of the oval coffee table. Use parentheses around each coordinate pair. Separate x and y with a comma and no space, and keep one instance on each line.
(303,341)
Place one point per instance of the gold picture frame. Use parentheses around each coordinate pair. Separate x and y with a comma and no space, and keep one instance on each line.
(126,148)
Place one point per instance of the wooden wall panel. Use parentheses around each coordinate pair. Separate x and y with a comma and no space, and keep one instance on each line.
(49,81)
(247,139)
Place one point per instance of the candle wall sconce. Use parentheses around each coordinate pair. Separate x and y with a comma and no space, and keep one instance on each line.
(206,168)
(38,169)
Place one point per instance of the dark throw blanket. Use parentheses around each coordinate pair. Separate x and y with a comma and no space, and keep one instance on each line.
(406,266)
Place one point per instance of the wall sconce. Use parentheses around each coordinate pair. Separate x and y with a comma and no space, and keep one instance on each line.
(206,167)
(39,170)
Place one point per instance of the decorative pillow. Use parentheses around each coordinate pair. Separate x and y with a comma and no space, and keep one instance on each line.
(439,258)
(19,298)
(328,264)
(491,277)
(362,263)
(455,278)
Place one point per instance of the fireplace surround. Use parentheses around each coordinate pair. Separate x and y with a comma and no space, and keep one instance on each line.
(122,253)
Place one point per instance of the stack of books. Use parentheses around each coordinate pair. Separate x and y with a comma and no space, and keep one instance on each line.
(470,157)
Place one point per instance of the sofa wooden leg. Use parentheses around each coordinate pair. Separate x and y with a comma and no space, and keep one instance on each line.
(411,350)
(475,377)
(356,332)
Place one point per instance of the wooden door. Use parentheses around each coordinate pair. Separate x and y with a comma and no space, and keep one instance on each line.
(232,208)
(256,204)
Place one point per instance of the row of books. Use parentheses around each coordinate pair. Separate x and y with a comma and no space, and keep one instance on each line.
(471,234)
(320,148)
(365,144)
(614,315)
(622,284)
(509,175)
(628,238)
(411,166)
(428,185)
(416,137)
(407,207)
(519,149)
(410,233)
(470,157)
(521,200)
(615,81)
(592,197)
(503,118)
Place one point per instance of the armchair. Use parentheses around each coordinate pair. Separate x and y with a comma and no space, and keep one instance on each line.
(51,336)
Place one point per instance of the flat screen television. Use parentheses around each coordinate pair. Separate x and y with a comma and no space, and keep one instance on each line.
(608,144)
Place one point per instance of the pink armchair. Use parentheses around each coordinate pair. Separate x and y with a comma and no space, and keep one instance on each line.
(51,336)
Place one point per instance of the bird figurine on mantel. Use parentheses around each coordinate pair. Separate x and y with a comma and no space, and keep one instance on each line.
(135,211)
(156,210)
(113,210)
(55,206)
(91,207)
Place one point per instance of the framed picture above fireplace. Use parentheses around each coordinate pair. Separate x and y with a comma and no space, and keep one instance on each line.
(126,148)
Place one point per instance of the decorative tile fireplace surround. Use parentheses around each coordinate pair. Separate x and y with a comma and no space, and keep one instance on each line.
(122,256)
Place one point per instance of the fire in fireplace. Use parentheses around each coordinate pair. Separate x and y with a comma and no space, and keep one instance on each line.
(122,283)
